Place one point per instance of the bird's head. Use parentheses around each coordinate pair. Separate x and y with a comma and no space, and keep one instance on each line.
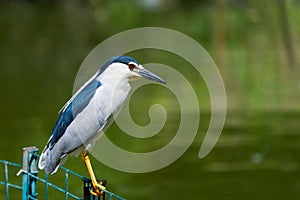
(125,67)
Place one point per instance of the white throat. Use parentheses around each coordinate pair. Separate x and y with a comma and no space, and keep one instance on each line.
(115,86)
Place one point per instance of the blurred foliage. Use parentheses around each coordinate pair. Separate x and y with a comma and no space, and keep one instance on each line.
(243,37)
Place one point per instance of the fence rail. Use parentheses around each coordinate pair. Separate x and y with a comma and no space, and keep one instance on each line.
(30,178)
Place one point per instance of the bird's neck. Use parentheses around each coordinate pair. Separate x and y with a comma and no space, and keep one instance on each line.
(114,82)
(116,92)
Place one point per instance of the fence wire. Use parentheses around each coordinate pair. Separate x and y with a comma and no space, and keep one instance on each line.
(30,179)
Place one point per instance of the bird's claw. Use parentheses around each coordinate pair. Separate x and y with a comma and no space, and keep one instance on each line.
(98,193)
(98,190)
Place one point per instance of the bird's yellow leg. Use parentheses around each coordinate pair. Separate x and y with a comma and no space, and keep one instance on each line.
(98,189)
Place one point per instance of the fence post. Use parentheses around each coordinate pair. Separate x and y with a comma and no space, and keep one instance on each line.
(29,167)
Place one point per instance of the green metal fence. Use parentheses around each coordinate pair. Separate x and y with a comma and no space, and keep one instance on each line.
(30,179)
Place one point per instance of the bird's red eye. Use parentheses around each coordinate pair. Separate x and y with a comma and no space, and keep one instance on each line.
(131,66)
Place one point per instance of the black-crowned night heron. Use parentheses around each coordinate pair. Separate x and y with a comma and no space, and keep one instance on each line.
(86,115)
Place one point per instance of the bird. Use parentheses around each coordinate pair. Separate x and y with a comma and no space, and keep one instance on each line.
(89,112)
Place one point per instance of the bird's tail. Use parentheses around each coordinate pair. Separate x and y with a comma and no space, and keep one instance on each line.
(49,161)
(41,164)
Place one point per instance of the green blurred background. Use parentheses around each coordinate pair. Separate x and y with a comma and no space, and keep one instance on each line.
(255,45)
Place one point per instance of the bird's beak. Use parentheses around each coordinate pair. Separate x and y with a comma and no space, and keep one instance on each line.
(151,76)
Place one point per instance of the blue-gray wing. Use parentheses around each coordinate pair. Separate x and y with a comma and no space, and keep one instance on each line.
(78,102)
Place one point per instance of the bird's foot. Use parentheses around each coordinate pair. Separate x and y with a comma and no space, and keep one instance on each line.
(98,189)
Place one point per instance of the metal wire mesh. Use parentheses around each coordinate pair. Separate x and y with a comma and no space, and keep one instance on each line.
(30,179)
